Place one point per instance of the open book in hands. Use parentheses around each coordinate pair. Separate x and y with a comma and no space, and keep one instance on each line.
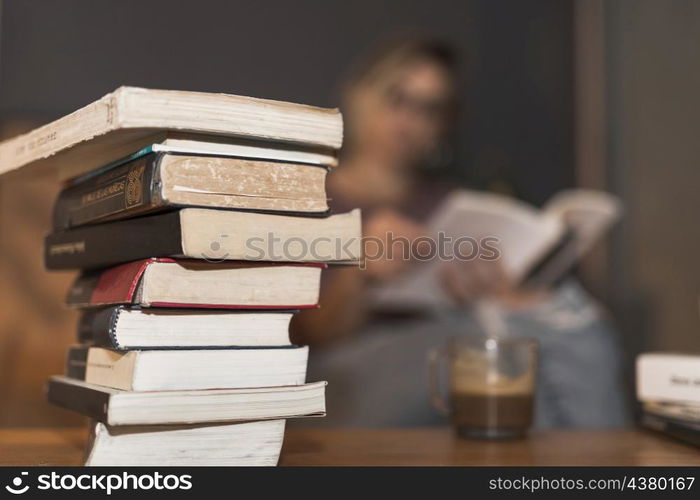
(535,247)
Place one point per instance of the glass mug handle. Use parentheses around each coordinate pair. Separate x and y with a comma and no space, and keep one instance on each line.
(436,357)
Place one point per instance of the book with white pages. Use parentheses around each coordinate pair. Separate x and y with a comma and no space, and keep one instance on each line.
(207,145)
(117,407)
(129,118)
(256,443)
(127,328)
(668,377)
(535,247)
(172,370)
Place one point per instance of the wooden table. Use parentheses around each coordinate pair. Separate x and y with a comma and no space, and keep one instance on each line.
(400,447)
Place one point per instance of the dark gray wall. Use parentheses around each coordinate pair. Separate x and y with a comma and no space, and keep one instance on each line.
(654,124)
(59,55)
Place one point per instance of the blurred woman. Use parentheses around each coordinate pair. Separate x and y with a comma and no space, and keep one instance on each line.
(399,105)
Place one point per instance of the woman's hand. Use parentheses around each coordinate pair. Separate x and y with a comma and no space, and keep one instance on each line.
(389,237)
(465,281)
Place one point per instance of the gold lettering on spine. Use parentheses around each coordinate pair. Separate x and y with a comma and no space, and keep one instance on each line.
(106,192)
(134,186)
(67,248)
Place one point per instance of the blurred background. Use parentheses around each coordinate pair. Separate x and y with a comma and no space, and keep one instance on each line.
(555,94)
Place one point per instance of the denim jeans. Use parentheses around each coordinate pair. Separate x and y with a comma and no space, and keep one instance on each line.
(379,378)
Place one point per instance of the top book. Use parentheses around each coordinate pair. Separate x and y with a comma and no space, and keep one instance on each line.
(127,119)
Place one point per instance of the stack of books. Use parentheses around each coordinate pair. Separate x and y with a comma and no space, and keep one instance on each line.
(668,388)
(195,252)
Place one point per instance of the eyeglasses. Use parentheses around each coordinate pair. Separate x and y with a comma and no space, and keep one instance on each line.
(429,109)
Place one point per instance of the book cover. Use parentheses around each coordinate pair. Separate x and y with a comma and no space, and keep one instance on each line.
(151,181)
(128,119)
(668,377)
(120,285)
(208,234)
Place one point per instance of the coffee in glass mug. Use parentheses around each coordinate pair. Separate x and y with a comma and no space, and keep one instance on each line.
(490,385)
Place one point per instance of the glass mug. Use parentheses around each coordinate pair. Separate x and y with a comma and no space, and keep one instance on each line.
(491,385)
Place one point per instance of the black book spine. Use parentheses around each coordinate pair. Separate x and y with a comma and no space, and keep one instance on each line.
(76,362)
(97,327)
(122,191)
(112,243)
(673,428)
(94,404)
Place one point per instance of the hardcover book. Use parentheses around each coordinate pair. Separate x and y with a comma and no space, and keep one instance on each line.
(157,181)
(125,328)
(213,235)
(201,145)
(685,412)
(687,432)
(196,284)
(117,407)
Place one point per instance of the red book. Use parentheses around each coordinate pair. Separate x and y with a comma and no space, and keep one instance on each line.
(166,282)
